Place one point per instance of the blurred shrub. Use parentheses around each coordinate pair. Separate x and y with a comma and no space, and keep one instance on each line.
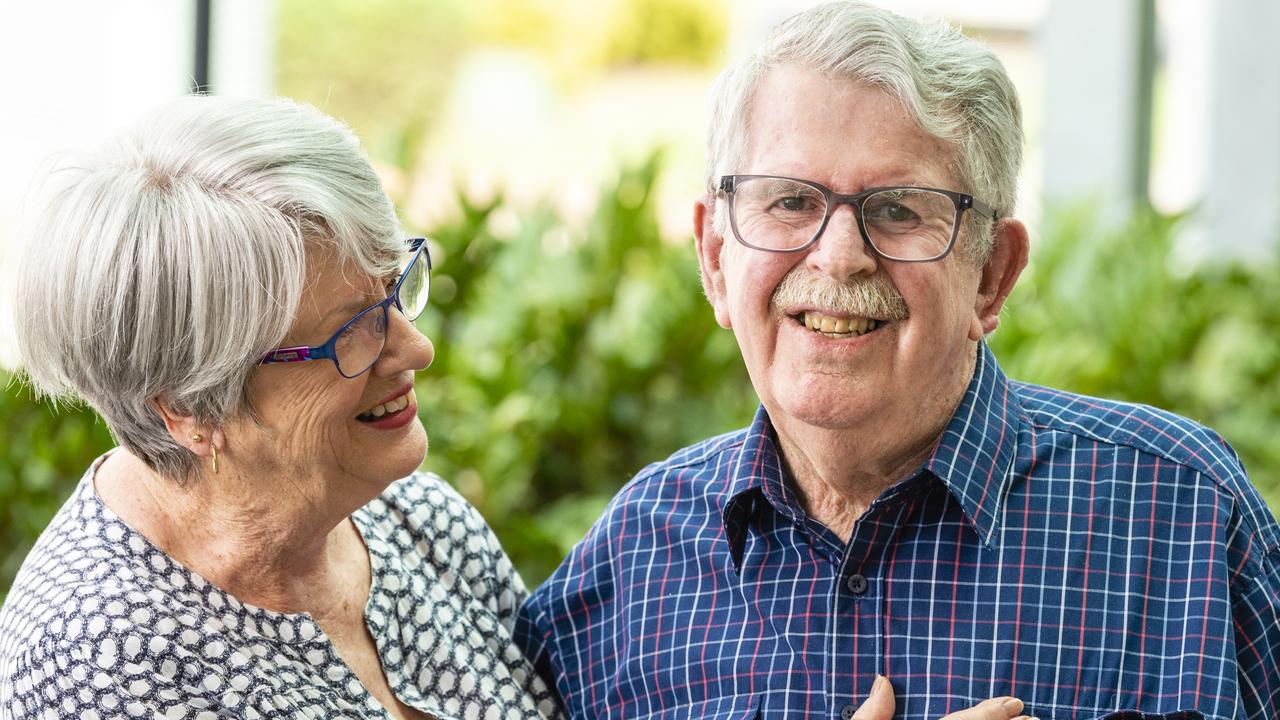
(669,31)
(42,456)
(589,35)
(382,66)
(1111,314)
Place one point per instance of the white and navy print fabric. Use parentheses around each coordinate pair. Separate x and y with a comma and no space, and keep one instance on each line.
(101,624)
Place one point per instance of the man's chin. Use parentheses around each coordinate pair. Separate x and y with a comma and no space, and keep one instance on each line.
(818,405)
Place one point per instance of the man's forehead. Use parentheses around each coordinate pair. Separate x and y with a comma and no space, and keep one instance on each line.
(802,117)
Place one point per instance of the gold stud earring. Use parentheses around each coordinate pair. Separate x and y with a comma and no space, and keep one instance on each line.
(214,448)
(197,438)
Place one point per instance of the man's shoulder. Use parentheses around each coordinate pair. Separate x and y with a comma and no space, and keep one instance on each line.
(679,493)
(1173,440)
(1144,428)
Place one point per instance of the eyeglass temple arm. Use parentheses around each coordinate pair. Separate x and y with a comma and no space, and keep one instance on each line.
(286,355)
(300,353)
(982,209)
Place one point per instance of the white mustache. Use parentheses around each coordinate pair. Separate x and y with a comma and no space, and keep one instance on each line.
(873,297)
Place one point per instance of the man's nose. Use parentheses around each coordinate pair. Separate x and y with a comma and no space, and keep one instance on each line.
(841,252)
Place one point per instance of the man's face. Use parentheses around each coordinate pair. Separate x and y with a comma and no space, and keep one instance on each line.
(912,367)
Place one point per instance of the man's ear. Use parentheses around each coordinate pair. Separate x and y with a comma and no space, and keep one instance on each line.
(1008,258)
(709,244)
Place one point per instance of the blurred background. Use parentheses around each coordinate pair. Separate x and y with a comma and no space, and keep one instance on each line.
(553,149)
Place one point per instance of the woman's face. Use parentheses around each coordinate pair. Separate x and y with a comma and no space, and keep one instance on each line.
(338,441)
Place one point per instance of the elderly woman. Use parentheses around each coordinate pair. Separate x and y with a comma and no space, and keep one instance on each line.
(227,285)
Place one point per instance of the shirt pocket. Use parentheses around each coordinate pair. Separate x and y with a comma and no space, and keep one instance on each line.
(725,708)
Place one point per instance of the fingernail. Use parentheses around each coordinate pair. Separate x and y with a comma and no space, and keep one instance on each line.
(1013,706)
(878,685)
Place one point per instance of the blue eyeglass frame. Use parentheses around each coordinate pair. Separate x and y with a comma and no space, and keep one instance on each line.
(329,350)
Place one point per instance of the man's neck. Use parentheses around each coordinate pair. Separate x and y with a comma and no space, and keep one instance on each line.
(838,472)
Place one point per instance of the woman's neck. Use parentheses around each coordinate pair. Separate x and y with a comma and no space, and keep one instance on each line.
(267,546)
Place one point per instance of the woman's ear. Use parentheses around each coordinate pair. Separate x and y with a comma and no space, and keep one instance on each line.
(183,428)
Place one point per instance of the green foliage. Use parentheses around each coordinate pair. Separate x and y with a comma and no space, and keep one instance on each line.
(382,66)
(1111,314)
(566,361)
(592,34)
(42,457)
(672,31)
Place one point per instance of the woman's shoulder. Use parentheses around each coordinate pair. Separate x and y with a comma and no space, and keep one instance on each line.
(434,532)
(429,506)
(73,561)
(99,632)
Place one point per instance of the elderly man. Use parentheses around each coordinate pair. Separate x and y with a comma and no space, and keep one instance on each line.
(898,507)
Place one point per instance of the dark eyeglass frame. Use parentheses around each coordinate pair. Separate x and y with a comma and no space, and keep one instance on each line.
(329,350)
(963,201)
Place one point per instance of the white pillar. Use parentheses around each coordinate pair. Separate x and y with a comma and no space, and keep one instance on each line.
(242,48)
(1095,146)
(1242,200)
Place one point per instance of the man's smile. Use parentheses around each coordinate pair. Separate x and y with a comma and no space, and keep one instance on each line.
(836,326)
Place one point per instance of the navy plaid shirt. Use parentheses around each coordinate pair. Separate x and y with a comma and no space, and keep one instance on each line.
(1092,558)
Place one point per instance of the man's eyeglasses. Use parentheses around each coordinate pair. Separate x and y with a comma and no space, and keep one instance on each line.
(905,224)
(359,343)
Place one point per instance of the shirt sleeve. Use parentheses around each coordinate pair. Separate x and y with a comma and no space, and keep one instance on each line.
(508,588)
(1256,615)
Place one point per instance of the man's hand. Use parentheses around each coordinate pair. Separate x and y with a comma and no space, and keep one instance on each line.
(879,705)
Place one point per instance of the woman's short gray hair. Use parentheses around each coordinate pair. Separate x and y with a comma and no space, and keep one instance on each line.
(170,261)
(954,87)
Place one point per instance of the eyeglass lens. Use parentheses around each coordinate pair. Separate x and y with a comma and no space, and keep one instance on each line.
(361,342)
(415,286)
(901,223)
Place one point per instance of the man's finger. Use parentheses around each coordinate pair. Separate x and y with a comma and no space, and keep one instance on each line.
(1000,708)
(879,704)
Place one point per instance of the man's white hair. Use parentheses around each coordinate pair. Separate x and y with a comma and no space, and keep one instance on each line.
(174,258)
(954,87)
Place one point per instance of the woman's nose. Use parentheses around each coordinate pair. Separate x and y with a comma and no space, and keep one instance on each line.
(406,348)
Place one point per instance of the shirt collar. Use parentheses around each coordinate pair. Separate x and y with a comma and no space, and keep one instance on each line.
(972,459)
(756,471)
(975,452)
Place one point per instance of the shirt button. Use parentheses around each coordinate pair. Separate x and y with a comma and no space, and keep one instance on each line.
(857,584)
(846,712)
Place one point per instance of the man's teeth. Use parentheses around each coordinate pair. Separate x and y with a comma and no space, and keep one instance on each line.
(839,325)
(388,407)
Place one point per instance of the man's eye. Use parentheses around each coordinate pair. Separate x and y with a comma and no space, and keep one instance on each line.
(892,212)
(794,203)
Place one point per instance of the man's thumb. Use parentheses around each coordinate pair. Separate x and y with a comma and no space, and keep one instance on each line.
(879,704)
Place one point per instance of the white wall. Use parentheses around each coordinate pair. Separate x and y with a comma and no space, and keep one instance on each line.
(74,71)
